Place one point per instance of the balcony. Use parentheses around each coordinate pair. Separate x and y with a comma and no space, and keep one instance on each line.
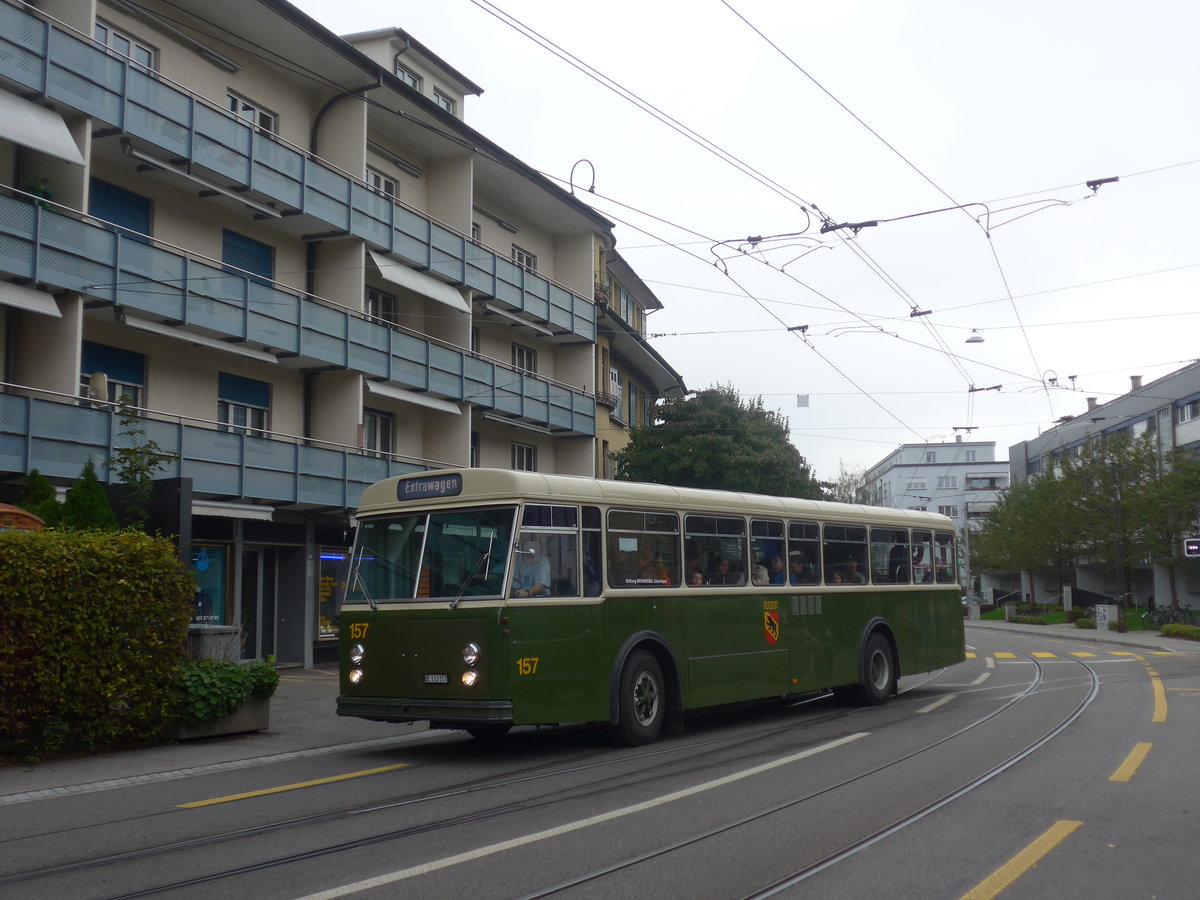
(56,435)
(172,123)
(155,281)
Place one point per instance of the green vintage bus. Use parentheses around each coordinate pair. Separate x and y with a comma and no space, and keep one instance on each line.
(480,599)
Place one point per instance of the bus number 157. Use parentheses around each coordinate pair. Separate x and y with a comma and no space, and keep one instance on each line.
(527,665)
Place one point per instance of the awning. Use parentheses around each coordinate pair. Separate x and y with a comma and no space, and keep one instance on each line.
(198,339)
(418,282)
(36,127)
(232,510)
(395,393)
(28,299)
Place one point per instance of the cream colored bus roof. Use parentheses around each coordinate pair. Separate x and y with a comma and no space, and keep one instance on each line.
(497,485)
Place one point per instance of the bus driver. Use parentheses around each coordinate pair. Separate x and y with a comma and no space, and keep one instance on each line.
(531,574)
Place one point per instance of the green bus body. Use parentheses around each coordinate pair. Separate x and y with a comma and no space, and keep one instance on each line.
(559,659)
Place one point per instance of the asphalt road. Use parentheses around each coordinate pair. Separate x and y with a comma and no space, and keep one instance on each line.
(1048,764)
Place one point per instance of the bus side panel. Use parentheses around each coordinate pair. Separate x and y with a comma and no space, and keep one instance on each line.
(554,671)
(805,630)
(734,651)
(846,615)
(950,647)
(626,616)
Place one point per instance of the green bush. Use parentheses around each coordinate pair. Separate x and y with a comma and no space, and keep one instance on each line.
(94,626)
(1075,613)
(1187,632)
(211,688)
(1030,620)
(1085,623)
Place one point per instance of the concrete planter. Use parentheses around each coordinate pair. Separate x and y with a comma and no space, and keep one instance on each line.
(253,715)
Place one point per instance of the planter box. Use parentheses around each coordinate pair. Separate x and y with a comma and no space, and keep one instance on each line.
(253,715)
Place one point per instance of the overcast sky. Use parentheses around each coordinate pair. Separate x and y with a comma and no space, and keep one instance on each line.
(849,112)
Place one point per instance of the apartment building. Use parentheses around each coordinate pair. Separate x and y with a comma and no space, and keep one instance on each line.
(1168,409)
(290,254)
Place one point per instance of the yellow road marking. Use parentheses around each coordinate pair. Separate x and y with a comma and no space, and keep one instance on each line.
(1044,655)
(1122,653)
(1083,655)
(970,654)
(1006,656)
(1136,757)
(291,787)
(1004,876)
(1160,701)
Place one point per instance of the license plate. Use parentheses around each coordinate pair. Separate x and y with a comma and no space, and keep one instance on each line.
(437,678)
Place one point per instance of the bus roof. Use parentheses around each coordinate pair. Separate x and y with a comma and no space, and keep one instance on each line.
(471,486)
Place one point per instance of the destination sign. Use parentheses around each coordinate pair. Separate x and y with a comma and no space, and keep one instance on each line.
(432,486)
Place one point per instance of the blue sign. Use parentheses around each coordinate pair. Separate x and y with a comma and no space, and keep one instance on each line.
(429,486)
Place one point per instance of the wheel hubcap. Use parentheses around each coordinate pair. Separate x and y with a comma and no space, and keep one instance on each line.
(645,698)
(880,674)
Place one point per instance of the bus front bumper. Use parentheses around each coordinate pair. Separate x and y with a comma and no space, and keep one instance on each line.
(451,712)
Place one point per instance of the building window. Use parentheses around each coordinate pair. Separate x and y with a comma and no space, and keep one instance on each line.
(1188,411)
(947,481)
(476,232)
(445,102)
(951,511)
(124,372)
(378,431)
(524,258)
(524,359)
(141,55)
(381,305)
(263,119)
(474,449)
(633,404)
(408,76)
(130,212)
(917,484)
(970,455)
(930,456)
(524,457)
(243,405)
(475,342)
(380,183)
(248,255)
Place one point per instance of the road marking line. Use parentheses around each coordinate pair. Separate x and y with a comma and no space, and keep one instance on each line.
(492,849)
(1160,701)
(1083,654)
(970,654)
(991,663)
(1006,656)
(981,679)
(291,787)
(1136,757)
(1123,653)
(1044,655)
(1004,876)
(936,703)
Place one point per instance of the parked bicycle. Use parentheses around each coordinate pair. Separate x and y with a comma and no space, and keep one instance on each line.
(1168,615)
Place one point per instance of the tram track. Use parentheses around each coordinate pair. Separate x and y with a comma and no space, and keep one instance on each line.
(702,751)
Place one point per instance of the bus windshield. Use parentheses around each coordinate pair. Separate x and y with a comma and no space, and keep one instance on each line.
(450,554)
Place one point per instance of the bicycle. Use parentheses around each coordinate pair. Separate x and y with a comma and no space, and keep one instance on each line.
(1155,619)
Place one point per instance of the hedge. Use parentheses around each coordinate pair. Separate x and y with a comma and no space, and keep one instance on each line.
(94,628)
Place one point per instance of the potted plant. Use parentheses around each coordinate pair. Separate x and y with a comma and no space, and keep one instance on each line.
(221,697)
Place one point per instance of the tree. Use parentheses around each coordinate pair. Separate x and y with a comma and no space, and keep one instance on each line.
(87,506)
(136,463)
(714,440)
(849,482)
(38,497)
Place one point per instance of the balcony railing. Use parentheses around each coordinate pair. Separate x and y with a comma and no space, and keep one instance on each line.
(57,434)
(47,58)
(50,244)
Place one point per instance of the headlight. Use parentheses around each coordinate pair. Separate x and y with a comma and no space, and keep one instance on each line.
(469,678)
(356,675)
(470,653)
(357,652)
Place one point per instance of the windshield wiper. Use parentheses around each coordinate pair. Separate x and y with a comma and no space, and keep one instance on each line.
(357,583)
(486,561)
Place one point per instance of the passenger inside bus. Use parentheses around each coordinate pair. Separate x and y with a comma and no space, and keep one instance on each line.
(775,573)
(800,572)
(850,573)
(721,574)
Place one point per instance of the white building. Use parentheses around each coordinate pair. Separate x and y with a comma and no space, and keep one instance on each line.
(961,480)
(308,273)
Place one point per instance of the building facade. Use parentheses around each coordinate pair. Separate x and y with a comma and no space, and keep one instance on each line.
(1168,409)
(959,479)
(292,258)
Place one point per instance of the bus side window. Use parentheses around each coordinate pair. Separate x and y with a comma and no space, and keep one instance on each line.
(591,552)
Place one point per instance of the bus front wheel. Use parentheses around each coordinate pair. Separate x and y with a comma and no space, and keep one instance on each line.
(879,673)
(641,699)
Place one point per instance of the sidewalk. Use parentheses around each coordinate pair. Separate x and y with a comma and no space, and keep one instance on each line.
(1132,640)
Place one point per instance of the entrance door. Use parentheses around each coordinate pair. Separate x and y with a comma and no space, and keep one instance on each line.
(258,602)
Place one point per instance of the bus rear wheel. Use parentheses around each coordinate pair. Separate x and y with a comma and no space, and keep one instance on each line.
(879,673)
(641,700)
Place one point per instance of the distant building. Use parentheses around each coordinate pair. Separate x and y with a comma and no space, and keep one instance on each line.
(959,479)
(1169,410)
